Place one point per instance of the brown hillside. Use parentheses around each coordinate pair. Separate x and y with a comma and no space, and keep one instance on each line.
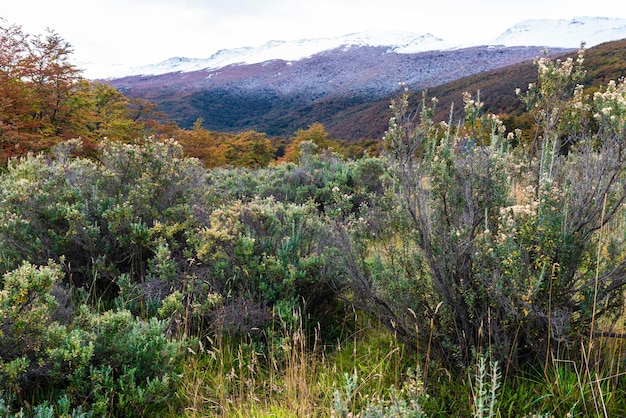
(497,90)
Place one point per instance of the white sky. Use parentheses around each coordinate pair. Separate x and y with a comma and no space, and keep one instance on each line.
(138,32)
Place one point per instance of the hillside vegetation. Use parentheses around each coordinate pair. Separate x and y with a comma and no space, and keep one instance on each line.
(279,97)
(352,104)
(466,270)
(497,89)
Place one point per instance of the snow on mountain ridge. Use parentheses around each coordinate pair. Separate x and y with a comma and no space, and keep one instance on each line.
(534,32)
(397,41)
(564,33)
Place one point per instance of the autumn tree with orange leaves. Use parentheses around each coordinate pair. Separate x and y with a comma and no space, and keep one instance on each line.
(44,98)
(316,133)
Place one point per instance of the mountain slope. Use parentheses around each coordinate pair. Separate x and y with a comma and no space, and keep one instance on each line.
(279,97)
(537,32)
(604,62)
(307,82)
(396,41)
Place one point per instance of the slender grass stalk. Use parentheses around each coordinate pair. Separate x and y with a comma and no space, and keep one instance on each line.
(601,396)
(545,367)
(430,340)
(590,344)
(595,289)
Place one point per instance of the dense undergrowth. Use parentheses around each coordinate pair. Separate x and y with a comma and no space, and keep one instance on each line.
(466,271)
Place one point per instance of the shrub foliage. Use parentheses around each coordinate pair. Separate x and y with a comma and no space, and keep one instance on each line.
(466,240)
(515,245)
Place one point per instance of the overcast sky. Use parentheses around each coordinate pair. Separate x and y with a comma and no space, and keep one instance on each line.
(136,32)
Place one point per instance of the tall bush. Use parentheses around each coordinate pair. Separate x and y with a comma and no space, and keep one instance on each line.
(511,249)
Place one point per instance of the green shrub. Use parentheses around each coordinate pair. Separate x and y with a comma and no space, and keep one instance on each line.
(111,361)
(107,216)
(27,307)
(509,250)
(407,402)
(269,253)
(133,367)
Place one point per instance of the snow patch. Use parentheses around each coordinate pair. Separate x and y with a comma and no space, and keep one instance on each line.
(564,33)
(535,32)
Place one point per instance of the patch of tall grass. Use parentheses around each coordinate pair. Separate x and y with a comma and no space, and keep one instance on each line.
(369,373)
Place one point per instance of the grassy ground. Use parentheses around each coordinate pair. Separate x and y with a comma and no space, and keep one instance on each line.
(370,374)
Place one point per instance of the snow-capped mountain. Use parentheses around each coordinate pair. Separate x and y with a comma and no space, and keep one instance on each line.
(283,86)
(564,33)
(396,41)
(536,32)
